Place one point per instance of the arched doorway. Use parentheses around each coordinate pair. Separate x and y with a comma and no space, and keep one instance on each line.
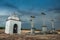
(15,28)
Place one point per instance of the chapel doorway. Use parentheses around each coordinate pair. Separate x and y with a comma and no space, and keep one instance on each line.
(15,28)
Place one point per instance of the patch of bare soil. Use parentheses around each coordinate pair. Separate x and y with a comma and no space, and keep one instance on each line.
(4,36)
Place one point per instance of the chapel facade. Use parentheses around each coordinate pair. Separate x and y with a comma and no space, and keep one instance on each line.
(13,25)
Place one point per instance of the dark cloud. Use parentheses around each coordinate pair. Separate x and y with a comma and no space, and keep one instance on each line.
(23,12)
(55,10)
(56,7)
(10,5)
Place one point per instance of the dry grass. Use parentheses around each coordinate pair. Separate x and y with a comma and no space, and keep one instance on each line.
(4,36)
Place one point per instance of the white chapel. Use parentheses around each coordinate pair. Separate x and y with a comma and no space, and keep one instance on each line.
(13,25)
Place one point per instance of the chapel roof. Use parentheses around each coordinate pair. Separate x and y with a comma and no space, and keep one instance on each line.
(13,17)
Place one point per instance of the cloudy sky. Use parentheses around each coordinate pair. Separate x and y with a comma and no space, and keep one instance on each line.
(25,8)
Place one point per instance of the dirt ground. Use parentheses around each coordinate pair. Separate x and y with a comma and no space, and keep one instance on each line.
(23,36)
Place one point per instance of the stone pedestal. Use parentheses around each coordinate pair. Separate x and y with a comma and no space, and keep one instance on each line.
(32,31)
(44,29)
